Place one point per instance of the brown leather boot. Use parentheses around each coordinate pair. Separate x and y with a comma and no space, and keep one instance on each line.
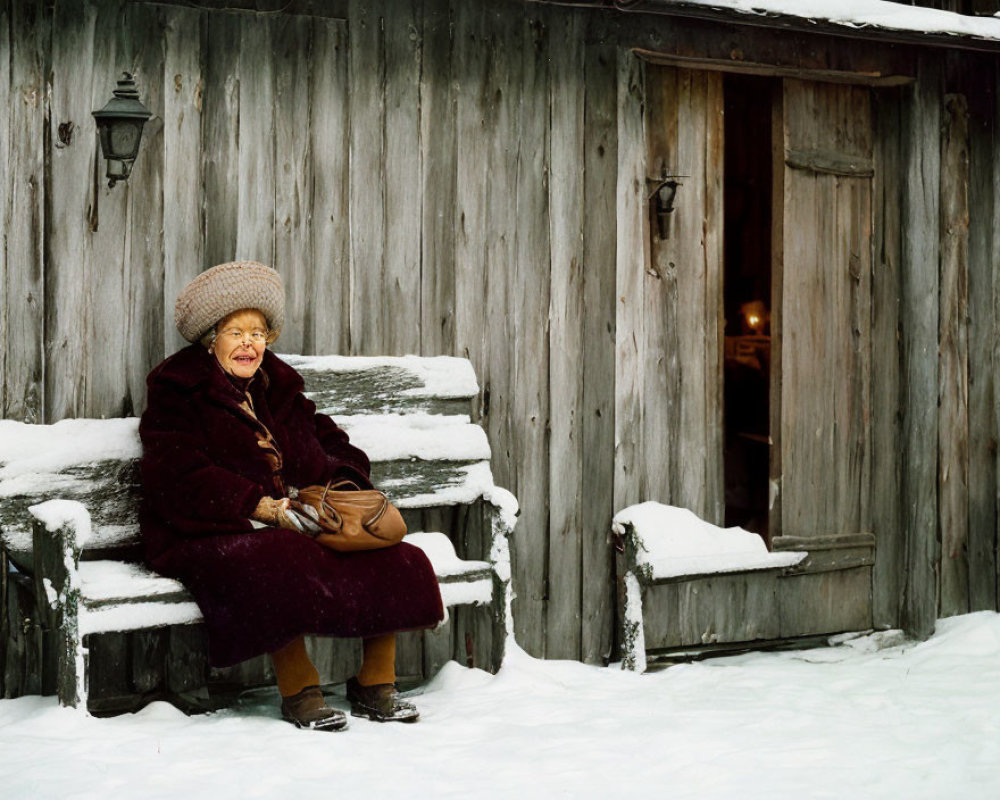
(380,703)
(307,709)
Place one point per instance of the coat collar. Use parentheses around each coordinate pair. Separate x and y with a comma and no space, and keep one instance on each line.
(194,367)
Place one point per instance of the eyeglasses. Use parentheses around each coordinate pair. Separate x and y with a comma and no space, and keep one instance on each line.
(236,335)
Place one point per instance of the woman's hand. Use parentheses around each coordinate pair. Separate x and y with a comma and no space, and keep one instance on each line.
(278,512)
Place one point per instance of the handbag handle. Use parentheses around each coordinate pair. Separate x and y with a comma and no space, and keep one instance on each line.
(331,486)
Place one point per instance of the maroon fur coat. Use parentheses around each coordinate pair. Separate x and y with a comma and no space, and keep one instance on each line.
(203,474)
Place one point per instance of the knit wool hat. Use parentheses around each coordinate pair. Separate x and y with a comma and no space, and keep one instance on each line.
(226,288)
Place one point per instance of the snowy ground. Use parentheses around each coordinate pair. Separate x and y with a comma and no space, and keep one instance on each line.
(877,717)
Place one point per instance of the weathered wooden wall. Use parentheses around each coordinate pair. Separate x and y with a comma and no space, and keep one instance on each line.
(438,176)
(415,170)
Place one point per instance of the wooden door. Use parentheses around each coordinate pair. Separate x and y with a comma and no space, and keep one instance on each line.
(821,318)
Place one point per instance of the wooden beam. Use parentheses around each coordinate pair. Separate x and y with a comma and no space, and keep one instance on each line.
(833,541)
(784,24)
(827,162)
(871,77)
(335,9)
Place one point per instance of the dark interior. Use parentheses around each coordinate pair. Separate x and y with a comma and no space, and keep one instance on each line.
(747,289)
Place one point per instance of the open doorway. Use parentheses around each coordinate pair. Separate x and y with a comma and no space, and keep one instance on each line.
(747,298)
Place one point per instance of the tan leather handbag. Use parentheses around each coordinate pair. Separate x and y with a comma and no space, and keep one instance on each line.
(351,518)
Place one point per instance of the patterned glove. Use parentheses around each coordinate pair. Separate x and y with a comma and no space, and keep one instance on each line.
(276,512)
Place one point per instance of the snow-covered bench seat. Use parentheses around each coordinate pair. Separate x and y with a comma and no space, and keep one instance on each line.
(74,586)
(687,582)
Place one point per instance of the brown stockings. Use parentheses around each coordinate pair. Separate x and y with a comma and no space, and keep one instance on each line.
(294,671)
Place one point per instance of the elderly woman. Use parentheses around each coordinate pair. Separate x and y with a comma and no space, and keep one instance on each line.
(226,435)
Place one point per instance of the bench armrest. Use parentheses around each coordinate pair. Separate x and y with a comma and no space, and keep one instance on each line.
(503,510)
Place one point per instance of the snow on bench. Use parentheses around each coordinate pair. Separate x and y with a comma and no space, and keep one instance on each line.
(673,542)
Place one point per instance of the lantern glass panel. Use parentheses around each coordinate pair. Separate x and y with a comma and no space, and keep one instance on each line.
(125,139)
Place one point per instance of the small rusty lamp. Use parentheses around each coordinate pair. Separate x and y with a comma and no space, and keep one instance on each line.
(119,125)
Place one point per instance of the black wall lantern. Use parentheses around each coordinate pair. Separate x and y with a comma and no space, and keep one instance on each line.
(119,125)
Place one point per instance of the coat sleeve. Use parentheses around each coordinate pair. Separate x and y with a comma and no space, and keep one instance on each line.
(344,461)
(181,484)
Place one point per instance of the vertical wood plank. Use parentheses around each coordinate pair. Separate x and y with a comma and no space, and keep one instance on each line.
(145,265)
(220,150)
(597,423)
(469,76)
(438,179)
(631,261)
(183,239)
(327,322)
(5,179)
(255,226)
(500,109)
(953,354)
(566,187)
(410,657)
(110,231)
(682,290)
(403,188)
(775,489)
(919,335)
(826,357)
(983,138)
(293,185)
(886,389)
(71,132)
(664,369)
(367,177)
(694,265)
(23,334)
(714,319)
(530,309)
(995,260)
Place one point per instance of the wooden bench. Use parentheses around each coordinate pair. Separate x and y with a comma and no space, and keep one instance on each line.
(83,618)
(685,584)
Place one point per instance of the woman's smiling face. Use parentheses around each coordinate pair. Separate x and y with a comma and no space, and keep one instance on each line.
(240,342)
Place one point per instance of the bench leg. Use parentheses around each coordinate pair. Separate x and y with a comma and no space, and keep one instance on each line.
(56,542)
(633,638)
(72,662)
(503,596)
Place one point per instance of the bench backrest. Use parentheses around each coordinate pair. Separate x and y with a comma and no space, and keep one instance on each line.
(409,413)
